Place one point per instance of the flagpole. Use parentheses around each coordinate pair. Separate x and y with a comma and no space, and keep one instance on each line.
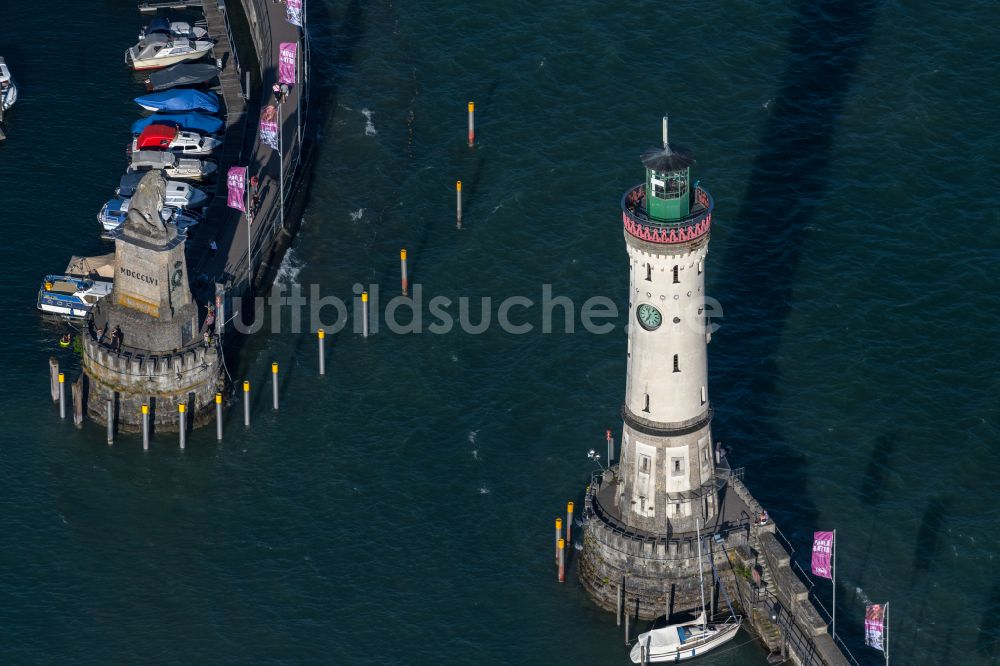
(248,214)
(886,646)
(834,586)
(281,162)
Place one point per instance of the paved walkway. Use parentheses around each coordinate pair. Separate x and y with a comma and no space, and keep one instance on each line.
(226,226)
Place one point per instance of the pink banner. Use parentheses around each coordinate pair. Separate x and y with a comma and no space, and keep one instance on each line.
(822,550)
(269,126)
(875,625)
(236,183)
(293,12)
(286,62)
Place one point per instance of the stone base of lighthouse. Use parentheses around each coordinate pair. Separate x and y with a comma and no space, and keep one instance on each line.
(658,573)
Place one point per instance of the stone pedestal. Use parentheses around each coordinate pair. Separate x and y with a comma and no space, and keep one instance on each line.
(162,358)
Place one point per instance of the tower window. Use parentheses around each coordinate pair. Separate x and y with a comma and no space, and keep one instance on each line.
(701,267)
(644,464)
(677,363)
(646,405)
(649,272)
(704,395)
(677,279)
(677,509)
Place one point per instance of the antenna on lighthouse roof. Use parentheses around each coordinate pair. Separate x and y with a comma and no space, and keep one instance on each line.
(666,144)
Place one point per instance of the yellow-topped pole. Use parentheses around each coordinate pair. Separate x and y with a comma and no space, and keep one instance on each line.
(246,403)
(62,395)
(364,313)
(558,537)
(182,424)
(569,522)
(458,204)
(274,385)
(402,271)
(218,416)
(145,427)
(561,546)
(320,336)
(472,124)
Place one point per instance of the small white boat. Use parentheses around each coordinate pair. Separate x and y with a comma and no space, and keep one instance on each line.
(679,642)
(687,640)
(8,89)
(114,213)
(181,142)
(160,50)
(178,193)
(71,296)
(173,166)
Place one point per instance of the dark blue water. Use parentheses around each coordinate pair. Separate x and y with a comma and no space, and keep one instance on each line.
(400,509)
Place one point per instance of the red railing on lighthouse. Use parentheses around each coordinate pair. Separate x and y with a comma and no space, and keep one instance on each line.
(639,225)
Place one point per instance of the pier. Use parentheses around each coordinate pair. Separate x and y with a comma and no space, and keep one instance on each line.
(169,352)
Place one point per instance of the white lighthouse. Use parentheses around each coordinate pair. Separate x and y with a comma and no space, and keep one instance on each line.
(642,514)
(667,470)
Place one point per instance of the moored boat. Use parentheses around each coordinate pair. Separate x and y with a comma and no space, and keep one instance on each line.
(71,296)
(185,99)
(168,137)
(163,25)
(173,166)
(195,122)
(184,74)
(8,89)
(160,50)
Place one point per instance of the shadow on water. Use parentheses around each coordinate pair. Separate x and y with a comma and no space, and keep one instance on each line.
(873,483)
(787,184)
(988,642)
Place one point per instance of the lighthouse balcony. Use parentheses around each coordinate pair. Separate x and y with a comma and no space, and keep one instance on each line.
(640,225)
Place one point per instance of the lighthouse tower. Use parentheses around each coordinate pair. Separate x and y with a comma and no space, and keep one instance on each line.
(643,513)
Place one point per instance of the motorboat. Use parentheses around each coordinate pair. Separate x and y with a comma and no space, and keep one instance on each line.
(159,50)
(194,122)
(686,640)
(182,195)
(8,89)
(168,137)
(71,296)
(185,99)
(173,166)
(184,74)
(164,26)
(114,213)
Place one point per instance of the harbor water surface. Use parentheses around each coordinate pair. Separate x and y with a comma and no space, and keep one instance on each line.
(400,509)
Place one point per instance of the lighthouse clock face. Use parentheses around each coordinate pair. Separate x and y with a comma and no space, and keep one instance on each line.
(649,317)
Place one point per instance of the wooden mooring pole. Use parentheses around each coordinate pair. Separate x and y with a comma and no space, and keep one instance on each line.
(54,378)
(77,392)
(111,421)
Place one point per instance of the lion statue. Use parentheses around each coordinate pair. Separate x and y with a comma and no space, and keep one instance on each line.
(145,206)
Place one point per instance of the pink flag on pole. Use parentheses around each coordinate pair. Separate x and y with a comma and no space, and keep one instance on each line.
(269,126)
(822,551)
(286,62)
(236,184)
(293,12)
(874,625)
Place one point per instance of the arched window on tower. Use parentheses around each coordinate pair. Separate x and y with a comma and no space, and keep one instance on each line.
(646,404)
(677,279)
(677,363)
(649,272)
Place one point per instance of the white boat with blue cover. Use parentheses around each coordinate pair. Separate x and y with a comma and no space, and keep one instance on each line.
(185,99)
(8,89)
(196,122)
(71,296)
